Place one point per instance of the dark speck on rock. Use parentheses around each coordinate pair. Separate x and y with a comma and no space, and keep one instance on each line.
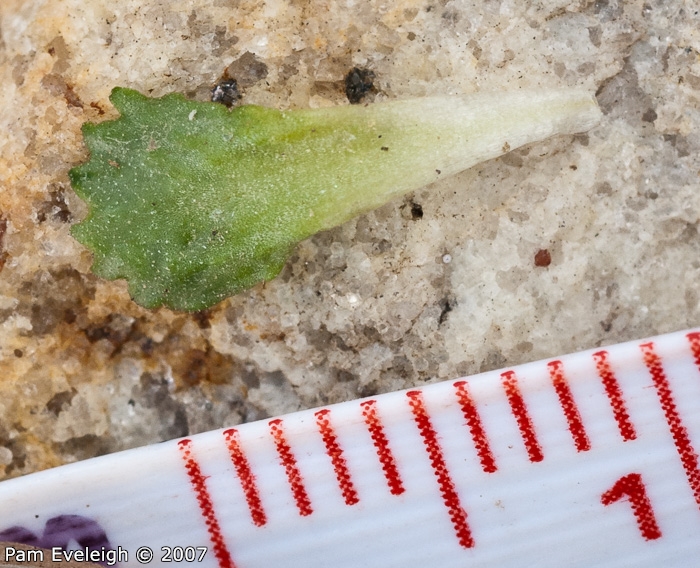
(359,82)
(543,258)
(226,92)
(416,211)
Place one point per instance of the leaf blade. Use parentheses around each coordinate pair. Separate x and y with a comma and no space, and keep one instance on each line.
(192,203)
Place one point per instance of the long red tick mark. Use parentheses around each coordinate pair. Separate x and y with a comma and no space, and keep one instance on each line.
(684,446)
(694,340)
(206,506)
(458,515)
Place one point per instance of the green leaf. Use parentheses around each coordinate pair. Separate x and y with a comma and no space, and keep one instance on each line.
(192,202)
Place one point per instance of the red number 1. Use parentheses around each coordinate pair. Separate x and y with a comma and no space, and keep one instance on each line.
(632,487)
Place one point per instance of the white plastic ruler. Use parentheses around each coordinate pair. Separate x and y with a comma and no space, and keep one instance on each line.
(584,460)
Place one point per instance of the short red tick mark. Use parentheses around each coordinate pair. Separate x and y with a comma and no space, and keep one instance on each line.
(476,428)
(568,405)
(522,417)
(381,445)
(245,475)
(289,462)
(614,394)
(334,451)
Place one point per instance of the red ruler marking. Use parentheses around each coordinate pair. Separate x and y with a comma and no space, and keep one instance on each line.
(568,405)
(476,427)
(245,475)
(522,417)
(458,515)
(694,340)
(335,452)
(206,506)
(381,445)
(632,487)
(289,462)
(614,394)
(684,447)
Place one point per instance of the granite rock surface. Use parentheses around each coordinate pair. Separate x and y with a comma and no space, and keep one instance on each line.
(568,244)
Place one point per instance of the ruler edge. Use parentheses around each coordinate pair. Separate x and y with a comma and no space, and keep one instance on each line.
(61,474)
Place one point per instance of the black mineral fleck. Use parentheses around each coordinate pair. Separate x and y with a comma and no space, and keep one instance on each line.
(359,82)
(226,92)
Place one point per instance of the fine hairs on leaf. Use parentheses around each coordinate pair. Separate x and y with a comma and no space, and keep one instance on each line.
(191,202)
